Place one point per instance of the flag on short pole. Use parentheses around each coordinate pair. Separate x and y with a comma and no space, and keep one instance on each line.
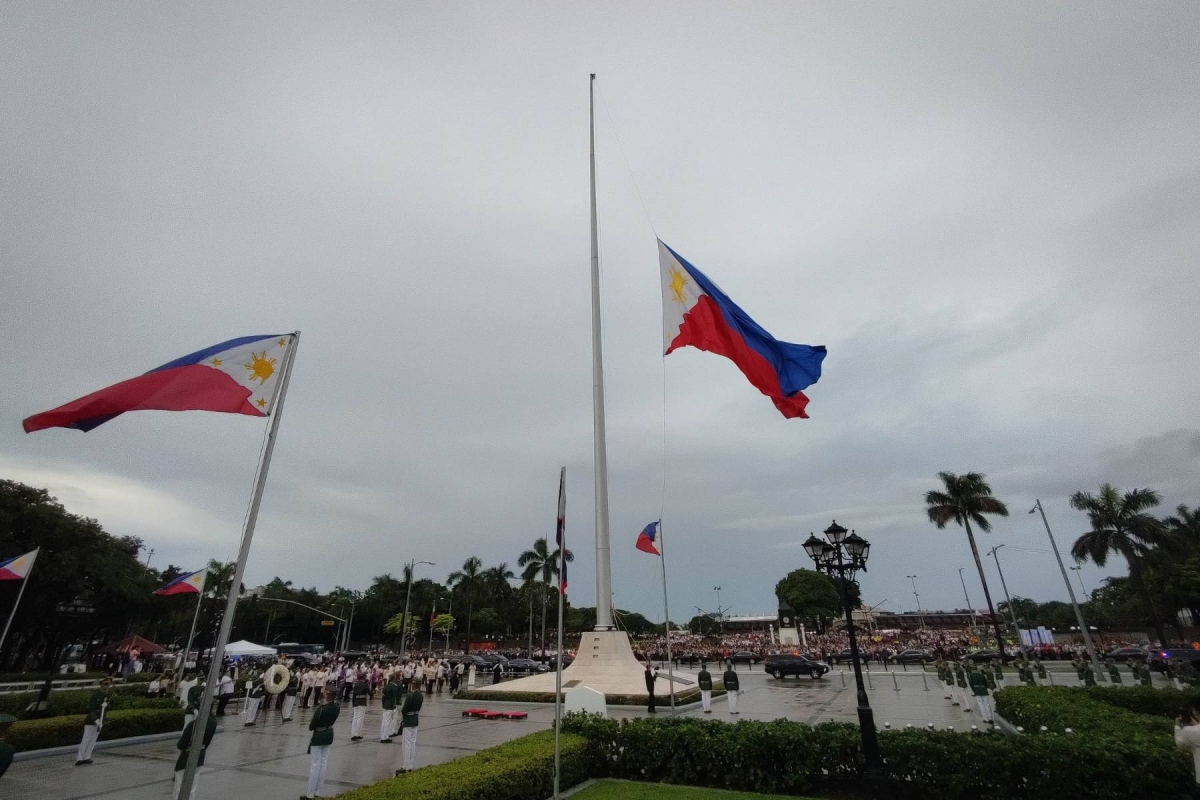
(237,377)
(191,583)
(647,539)
(17,567)
(560,534)
(697,313)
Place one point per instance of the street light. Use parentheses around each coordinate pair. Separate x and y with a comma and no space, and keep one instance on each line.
(846,555)
(720,616)
(1011,611)
(412,565)
(1079,574)
(920,616)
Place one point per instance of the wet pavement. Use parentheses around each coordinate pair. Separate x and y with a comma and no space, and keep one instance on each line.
(269,762)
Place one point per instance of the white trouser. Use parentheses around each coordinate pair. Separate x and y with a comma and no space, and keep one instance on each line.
(179,784)
(289,703)
(388,724)
(984,704)
(88,743)
(410,747)
(356,722)
(731,696)
(316,773)
(252,709)
(706,699)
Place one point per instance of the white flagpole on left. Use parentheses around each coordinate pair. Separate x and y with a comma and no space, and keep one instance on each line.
(662,555)
(218,656)
(20,594)
(192,632)
(562,565)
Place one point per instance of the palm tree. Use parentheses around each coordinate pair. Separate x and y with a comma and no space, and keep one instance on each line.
(1120,524)
(529,578)
(966,499)
(541,561)
(468,580)
(497,586)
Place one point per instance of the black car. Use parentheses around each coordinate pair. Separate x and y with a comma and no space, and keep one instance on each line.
(688,658)
(527,665)
(847,657)
(1177,656)
(744,657)
(784,664)
(912,657)
(981,656)
(479,662)
(1124,654)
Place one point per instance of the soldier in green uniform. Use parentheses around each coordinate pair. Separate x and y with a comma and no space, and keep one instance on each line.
(940,665)
(194,695)
(1089,675)
(184,747)
(1026,673)
(289,696)
(1040,667)
(999,670)
(321,725)
(978,681)
(730,678)
(1079,669)
(390,696)
(960,680)
(257,693)
(704,681)
(409,722)
(360,693)
(98,703)
(7,751)
(1114,674)
(1143,673)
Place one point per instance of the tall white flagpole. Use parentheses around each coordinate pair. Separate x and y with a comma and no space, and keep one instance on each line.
(218,656)
(20,594)
(195,619)
(662,554)
(604,616)
(562,565)
(1083,629)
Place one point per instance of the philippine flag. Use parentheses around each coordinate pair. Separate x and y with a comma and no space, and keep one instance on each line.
(192,583)
(647,539)
(237,377)
(697,313)
(15,569)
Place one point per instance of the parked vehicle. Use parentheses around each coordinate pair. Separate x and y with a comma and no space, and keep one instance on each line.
(912,657)
(1124,654)
(1176,656)
(526,666)
(847,657)
(981,656)
(784,664)
(744,657)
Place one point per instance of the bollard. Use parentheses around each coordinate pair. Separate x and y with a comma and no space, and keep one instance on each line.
(869,684)
(843,674)
(925,680)
(895,681)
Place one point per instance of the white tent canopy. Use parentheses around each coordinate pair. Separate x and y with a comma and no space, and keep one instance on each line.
(244,648)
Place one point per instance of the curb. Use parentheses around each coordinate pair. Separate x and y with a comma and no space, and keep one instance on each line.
(71,749)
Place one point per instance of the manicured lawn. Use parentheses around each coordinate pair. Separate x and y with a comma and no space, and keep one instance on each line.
(630,790)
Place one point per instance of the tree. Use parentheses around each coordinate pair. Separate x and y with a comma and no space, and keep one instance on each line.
(811,594)
(545,563)
(496,585)
(702,625)
(1121,525)
(399,624)
(443,623)
(468,581)
(965,499)
(487,620)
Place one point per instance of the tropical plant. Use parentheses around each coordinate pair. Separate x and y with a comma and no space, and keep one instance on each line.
(965,499)
(1121,524)
(545,563)
(468,581)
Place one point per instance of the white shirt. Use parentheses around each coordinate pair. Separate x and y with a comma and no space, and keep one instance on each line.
(1189,739)
(226,685)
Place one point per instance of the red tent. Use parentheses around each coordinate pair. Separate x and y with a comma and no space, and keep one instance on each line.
(135,642)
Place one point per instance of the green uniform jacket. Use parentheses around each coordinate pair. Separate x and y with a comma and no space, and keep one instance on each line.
(257,692)
(1041,670)
(978,683)
(731,681)
(999,670)
(1114,674)
(293,686)
(321,724)
(95,702)
(411,710)
(360,693)
(1089,677)
(960,677)
(704,679)
(991,682)
(210,730)
(7,751)
(391,694)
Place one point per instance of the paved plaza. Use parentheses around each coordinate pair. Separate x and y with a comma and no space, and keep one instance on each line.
(268,762)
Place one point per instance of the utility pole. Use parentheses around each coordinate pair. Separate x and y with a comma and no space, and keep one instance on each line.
(1083,629)
(966,596)
(1078,574)
(1011,611)
(920,616)
(720,616)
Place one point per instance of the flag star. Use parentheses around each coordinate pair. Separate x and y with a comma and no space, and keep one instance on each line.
(261,402)
(216,362)
(282,341)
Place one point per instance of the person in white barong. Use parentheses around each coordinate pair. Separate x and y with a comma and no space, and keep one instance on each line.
(1187,736)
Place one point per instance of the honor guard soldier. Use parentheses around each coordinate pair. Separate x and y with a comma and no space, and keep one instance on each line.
(194,695)
(1040,667)
(390,698)
(321,726)
(998,667)
(409,722)
(1079,665)
(1089,675)
(359,694)
(184,747)
(649,677)
(257,693)
(289,696)
(730,680)
(704,680)
(94,722)
(960,681)
(1114,674)
(978,681)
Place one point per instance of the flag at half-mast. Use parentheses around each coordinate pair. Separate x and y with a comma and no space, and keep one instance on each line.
(697,313)
(560,535)
(647,540)
(16,568)
(237,377)
(190,583)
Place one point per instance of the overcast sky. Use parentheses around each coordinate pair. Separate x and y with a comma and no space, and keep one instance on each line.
(989,213)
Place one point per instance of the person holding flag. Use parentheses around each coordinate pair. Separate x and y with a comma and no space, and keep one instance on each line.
(650,541)
(94,722)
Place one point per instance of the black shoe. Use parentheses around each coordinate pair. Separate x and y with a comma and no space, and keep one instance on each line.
(385,741)
(355,738)
(84,761)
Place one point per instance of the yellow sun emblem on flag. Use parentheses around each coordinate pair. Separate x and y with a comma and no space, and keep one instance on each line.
(678,282)
(260,368)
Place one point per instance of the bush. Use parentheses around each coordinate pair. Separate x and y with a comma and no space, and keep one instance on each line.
(64,702)
(1095,714)
(1145,699)
(522,768)
(29,677)
(38,734)
(792,758)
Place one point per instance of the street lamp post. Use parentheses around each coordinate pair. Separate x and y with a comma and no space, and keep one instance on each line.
(1079,574)
(720,616)
(412,566)
(966,596)
(844,556)
(1011,611)
(920,616)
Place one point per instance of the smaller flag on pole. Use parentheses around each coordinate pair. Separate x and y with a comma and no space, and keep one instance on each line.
(15,569)
(647,540)
(560,534)
(191,583)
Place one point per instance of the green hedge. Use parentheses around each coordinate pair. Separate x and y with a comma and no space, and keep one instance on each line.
(28,677)
(75,701)
(1145,699)
(522,768)
(786,757)
(663,701)
(38,734)
(1100,713)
